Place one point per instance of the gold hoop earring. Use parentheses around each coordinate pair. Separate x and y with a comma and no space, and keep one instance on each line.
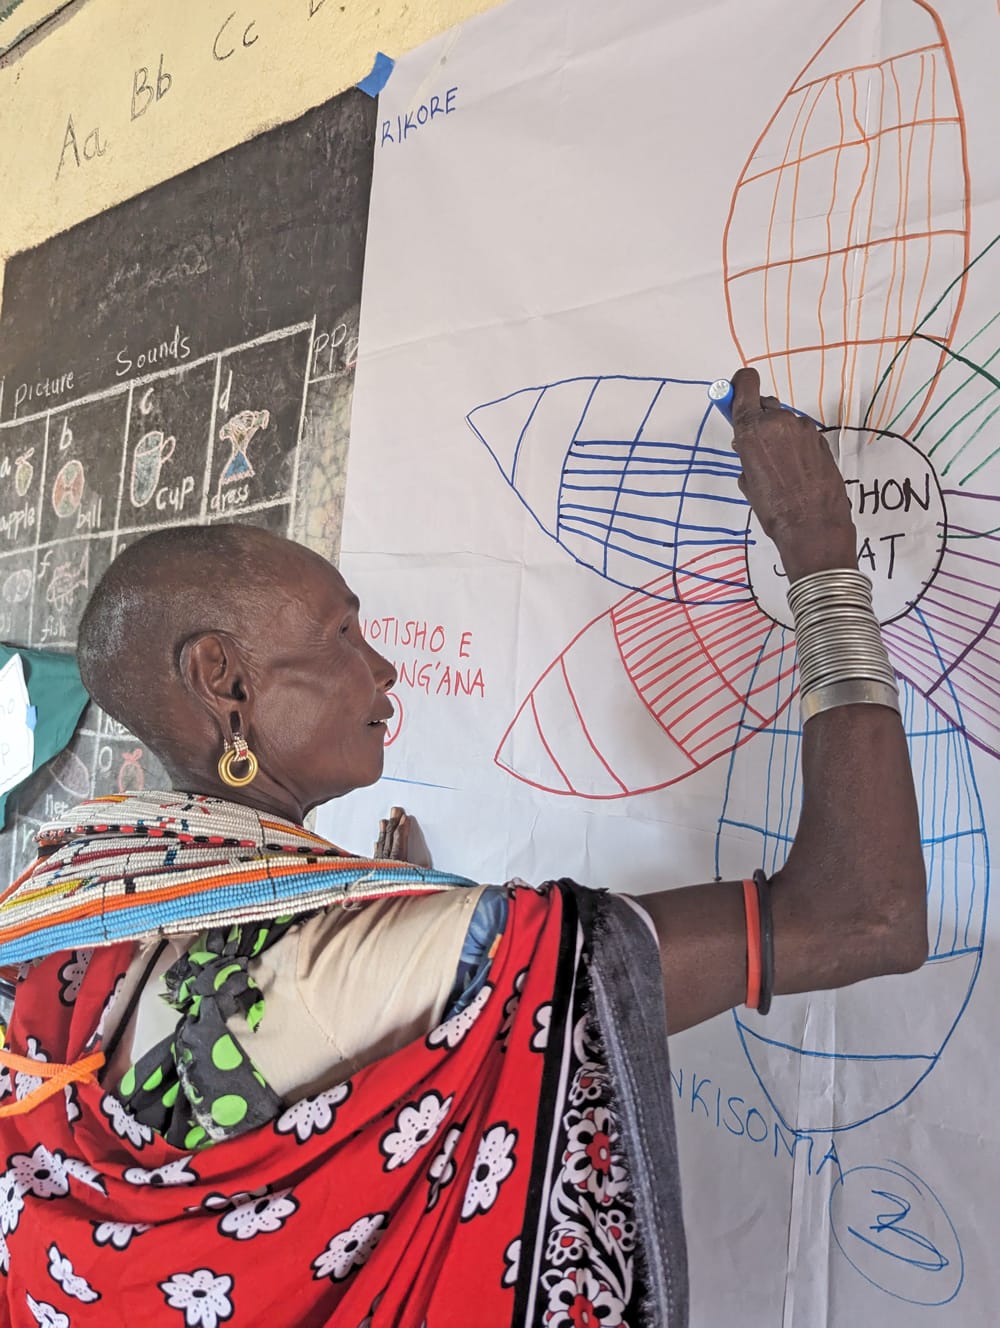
(237,753)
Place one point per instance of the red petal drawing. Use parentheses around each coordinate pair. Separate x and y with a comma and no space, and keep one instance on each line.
(650,692)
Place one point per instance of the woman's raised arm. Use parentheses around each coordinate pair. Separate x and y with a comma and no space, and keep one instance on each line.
(850,901)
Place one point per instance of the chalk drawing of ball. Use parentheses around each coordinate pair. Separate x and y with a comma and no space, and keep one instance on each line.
(836,1060)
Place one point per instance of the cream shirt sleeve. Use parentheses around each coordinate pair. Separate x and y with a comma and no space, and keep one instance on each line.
(351,986)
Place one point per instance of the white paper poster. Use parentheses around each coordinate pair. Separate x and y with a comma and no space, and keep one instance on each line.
(582,214)
(17,736)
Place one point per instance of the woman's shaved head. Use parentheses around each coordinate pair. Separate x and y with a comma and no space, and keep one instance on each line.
(163,590)
(196,633)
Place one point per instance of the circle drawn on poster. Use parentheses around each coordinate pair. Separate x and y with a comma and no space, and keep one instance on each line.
(395,722)
(892,1228)
(67,491)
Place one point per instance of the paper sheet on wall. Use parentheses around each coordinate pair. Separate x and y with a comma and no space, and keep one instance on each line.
(582,214)
(17,726)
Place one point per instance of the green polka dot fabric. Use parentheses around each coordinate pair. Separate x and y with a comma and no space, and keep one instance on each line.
(199,1086)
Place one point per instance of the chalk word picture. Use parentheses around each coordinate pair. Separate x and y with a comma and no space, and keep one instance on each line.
(81,480)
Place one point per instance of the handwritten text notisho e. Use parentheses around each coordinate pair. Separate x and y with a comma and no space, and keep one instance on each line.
(427,657)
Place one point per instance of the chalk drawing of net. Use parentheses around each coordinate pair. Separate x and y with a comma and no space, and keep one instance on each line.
(853,309)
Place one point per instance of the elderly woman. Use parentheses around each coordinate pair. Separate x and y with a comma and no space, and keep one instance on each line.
(252,1079)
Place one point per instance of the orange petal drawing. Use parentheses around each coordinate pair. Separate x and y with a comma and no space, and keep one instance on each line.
(852,208)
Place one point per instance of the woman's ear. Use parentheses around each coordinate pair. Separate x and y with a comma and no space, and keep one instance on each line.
(213,671)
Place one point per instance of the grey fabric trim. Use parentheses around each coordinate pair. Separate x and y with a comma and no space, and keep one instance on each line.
(628,1003)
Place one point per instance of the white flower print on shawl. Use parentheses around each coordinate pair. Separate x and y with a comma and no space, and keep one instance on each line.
(71,975)
(257,1214)
(350,1249)
(46,1314)
(453,1030)
(416,1125)
(124,1123)
(171,1173)
(109,1005)
(118,1234)
(441,1171)
(203,1296)
(61,1272)
(494,1162)
(313,1115)
(541,1018)
(512,1263)
(46,1175)
(73,1112)
(25,1083)
(11,1202)
(510,1006)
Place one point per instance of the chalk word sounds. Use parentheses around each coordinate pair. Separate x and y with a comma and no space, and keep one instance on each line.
(176,348)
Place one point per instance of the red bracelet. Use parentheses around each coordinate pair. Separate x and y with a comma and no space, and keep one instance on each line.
(752,906)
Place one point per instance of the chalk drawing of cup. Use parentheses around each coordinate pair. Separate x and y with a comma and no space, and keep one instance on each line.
(151,451)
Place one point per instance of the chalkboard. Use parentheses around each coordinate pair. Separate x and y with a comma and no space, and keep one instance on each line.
(185,357)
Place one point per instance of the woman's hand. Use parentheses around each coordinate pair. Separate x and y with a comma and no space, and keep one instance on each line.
(393,837)
(791,481)
(400,839)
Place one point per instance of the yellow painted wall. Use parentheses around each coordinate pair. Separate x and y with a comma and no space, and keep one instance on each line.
(230,68)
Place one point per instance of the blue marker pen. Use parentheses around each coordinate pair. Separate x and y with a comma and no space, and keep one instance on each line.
(720,393)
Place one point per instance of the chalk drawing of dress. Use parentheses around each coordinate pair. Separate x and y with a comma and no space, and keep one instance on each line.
(239,431)
(635,480)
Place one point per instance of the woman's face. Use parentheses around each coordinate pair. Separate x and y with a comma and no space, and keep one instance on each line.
(320,702)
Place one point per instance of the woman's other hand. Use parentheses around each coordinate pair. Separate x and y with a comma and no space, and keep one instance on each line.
(393,837)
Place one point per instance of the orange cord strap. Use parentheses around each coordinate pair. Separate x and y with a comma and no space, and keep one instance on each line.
(752,905)
(55,1078)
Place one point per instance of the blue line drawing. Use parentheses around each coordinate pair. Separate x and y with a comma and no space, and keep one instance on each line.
(880,1066)
(627,474)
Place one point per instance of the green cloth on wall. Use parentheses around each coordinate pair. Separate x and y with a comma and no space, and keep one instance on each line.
(56,691)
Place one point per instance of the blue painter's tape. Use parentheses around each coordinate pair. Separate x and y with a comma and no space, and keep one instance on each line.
(373,83)
(31,717)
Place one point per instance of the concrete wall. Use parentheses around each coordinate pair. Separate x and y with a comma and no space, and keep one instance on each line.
(114,96)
